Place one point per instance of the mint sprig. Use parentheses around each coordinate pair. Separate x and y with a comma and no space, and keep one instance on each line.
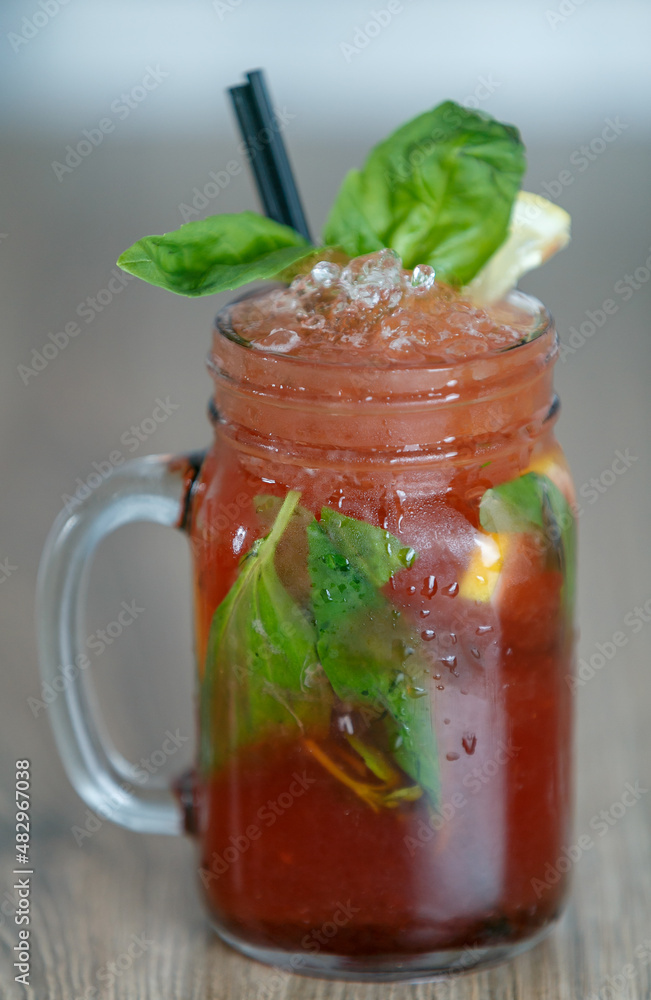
(438,191)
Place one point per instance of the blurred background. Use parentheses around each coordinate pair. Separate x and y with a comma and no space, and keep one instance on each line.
(140,84)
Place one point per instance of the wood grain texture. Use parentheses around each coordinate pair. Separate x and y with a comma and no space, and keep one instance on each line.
(91,901)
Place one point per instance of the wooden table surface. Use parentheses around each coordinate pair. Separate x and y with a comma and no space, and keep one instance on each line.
(91,901)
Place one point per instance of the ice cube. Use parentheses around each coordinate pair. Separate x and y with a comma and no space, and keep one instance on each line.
(373,278)
(303,287)
(314,322)
(423,277)
(400,343)
(325,273)
(280,340)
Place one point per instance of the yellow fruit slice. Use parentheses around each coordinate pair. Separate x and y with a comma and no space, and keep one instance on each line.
(550,466)
(538,228)
(479,581)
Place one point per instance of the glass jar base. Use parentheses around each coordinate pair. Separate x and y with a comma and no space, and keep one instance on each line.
(428,967)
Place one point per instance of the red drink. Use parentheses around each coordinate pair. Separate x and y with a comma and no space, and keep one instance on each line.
(333,835)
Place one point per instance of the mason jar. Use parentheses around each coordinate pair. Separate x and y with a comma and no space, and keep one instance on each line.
(383,564)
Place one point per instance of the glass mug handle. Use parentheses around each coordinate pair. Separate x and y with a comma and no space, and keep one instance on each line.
(153,489)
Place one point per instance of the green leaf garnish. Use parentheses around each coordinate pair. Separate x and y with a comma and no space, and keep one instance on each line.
(280,656)
(261,649)
(532,502)
(369,653)
(513,506)
(215,254)
(438,191)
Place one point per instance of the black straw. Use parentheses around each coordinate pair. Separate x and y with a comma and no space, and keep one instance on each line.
(268,156)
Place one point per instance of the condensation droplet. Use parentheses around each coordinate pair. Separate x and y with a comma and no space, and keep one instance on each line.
(469,743)
(406,555)
(452,756)
(429,586)
(428,634)
(451,590)
(451,663)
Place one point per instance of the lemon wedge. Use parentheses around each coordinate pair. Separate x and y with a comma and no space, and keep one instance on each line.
(479,581)
(481,578)
(538,228)
(551,466)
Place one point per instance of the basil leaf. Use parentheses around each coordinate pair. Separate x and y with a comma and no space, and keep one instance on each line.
(291,552)
(513,506)
(370,655)
(261,664)
(351,218)
(438,191)
(215,254)
(559,526)
(376,552)
(532,502)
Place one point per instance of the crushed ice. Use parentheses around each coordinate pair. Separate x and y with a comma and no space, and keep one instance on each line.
(374,309)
